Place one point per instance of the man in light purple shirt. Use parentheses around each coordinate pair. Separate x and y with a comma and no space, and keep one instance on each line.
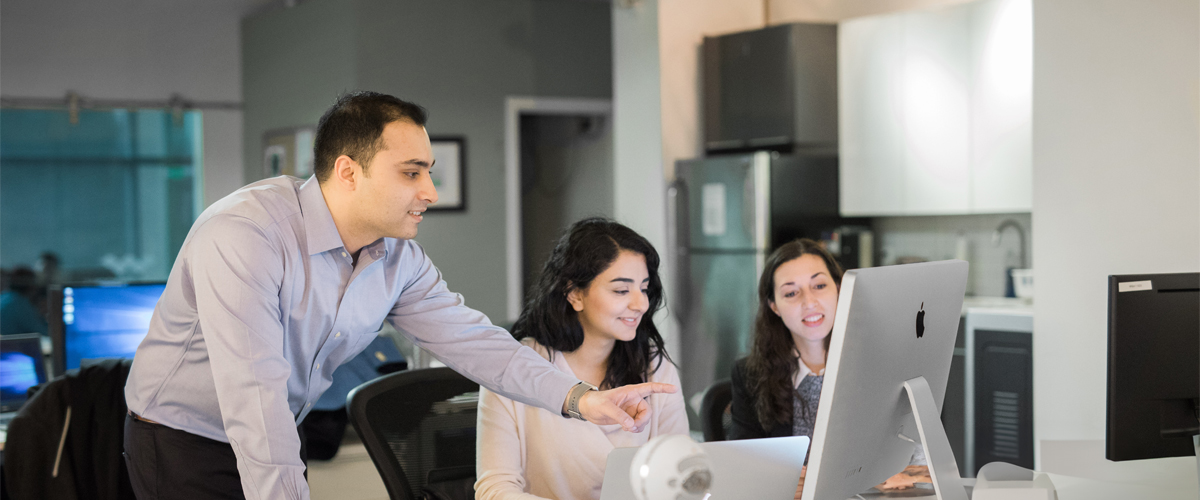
(285,279)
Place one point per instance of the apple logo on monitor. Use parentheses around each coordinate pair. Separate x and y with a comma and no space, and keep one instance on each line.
(921,321)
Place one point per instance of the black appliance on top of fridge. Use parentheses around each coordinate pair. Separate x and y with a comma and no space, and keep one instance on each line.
(773,88)
(729,213)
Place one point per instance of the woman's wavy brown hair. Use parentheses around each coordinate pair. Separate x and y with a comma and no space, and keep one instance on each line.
(773,360)
(584,251)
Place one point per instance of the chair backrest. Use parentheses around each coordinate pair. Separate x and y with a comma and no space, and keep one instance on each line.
(416,424)
(715,419)
(66,441)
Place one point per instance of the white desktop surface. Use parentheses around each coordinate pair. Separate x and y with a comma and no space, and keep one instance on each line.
(1080,488)
(1079,472)
(1079,465)
(1077,488)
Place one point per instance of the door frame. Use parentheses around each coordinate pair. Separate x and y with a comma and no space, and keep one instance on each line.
(514,107)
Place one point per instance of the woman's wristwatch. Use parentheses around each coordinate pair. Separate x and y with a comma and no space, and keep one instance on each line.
(574,396)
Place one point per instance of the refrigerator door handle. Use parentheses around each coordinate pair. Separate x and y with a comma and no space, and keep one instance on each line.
(761,174)
(678,240)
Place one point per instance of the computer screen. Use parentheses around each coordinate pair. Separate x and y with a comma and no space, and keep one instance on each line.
(100,321)
(893,334)
(1153,365)
(21,367)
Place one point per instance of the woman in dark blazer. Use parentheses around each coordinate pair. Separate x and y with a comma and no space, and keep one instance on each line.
(745,422)
(777,387)
(797,297)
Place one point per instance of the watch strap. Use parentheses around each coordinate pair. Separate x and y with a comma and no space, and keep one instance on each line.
(573,397)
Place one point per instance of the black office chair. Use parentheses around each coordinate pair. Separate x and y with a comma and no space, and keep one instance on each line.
(715,419)
(419,428)
(66,441)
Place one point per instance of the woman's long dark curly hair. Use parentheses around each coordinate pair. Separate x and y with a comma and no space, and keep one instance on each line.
(588,248)
(773,361)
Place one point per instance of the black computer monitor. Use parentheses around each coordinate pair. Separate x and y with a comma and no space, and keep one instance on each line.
(93,321)
(21,367)
(1153,365)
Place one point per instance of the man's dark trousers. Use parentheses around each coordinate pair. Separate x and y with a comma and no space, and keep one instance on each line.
(170,464)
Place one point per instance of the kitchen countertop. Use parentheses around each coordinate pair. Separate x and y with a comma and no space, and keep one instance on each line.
(997,304)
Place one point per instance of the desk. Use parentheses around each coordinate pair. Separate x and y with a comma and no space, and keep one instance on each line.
(1076,488)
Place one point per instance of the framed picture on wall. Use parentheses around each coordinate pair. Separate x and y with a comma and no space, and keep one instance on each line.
(449,172)
(288,151)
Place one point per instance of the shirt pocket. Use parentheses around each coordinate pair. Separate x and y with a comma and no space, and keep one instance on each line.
(359,341)
(351,346)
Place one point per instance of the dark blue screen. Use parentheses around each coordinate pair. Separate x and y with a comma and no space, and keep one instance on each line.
(106,321)
(20,368)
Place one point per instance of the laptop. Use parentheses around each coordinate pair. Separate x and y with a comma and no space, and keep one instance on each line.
(21,367)
(762,469)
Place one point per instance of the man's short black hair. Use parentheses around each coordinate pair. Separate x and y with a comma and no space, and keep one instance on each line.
(354,127)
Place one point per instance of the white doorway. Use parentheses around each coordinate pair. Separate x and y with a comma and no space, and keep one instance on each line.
(558,169)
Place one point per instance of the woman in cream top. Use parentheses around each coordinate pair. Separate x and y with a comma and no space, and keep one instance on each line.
(590,315)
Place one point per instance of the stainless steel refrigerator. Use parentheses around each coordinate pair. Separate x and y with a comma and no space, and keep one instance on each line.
(728,214)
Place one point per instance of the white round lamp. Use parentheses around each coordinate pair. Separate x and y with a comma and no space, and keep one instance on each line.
(671,467)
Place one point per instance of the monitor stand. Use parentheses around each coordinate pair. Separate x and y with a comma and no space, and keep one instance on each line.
(943,469)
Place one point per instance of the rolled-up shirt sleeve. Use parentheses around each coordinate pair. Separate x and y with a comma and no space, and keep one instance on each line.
(236,272)
(440,322)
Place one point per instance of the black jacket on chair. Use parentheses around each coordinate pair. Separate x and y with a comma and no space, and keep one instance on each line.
(745,418)
(89,461)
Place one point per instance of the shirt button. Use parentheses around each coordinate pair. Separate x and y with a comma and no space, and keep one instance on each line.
(339,334)
(344,254)
(318,366)
(309,405)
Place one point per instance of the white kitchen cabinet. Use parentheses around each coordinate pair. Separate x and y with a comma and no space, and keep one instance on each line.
(870,135)
(935,111)
(1002,106)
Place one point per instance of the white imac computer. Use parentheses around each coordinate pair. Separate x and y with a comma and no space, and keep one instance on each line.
(889,359)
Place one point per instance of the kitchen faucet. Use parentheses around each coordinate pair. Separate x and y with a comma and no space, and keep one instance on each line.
(1020,237)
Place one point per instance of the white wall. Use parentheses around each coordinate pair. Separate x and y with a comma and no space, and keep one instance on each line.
(832,11)
(682,28)
(134,49)
(1116,182)
(222,154)
(656,110)
(639,185)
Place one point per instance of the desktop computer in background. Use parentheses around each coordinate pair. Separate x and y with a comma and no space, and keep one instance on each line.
(21,367)
(94,321)
(1153,366)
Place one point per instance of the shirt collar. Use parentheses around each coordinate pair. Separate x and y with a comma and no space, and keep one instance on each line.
(319,229)
(376,250)
(804,371)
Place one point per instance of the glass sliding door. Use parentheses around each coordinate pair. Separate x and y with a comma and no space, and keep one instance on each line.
(111,193)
